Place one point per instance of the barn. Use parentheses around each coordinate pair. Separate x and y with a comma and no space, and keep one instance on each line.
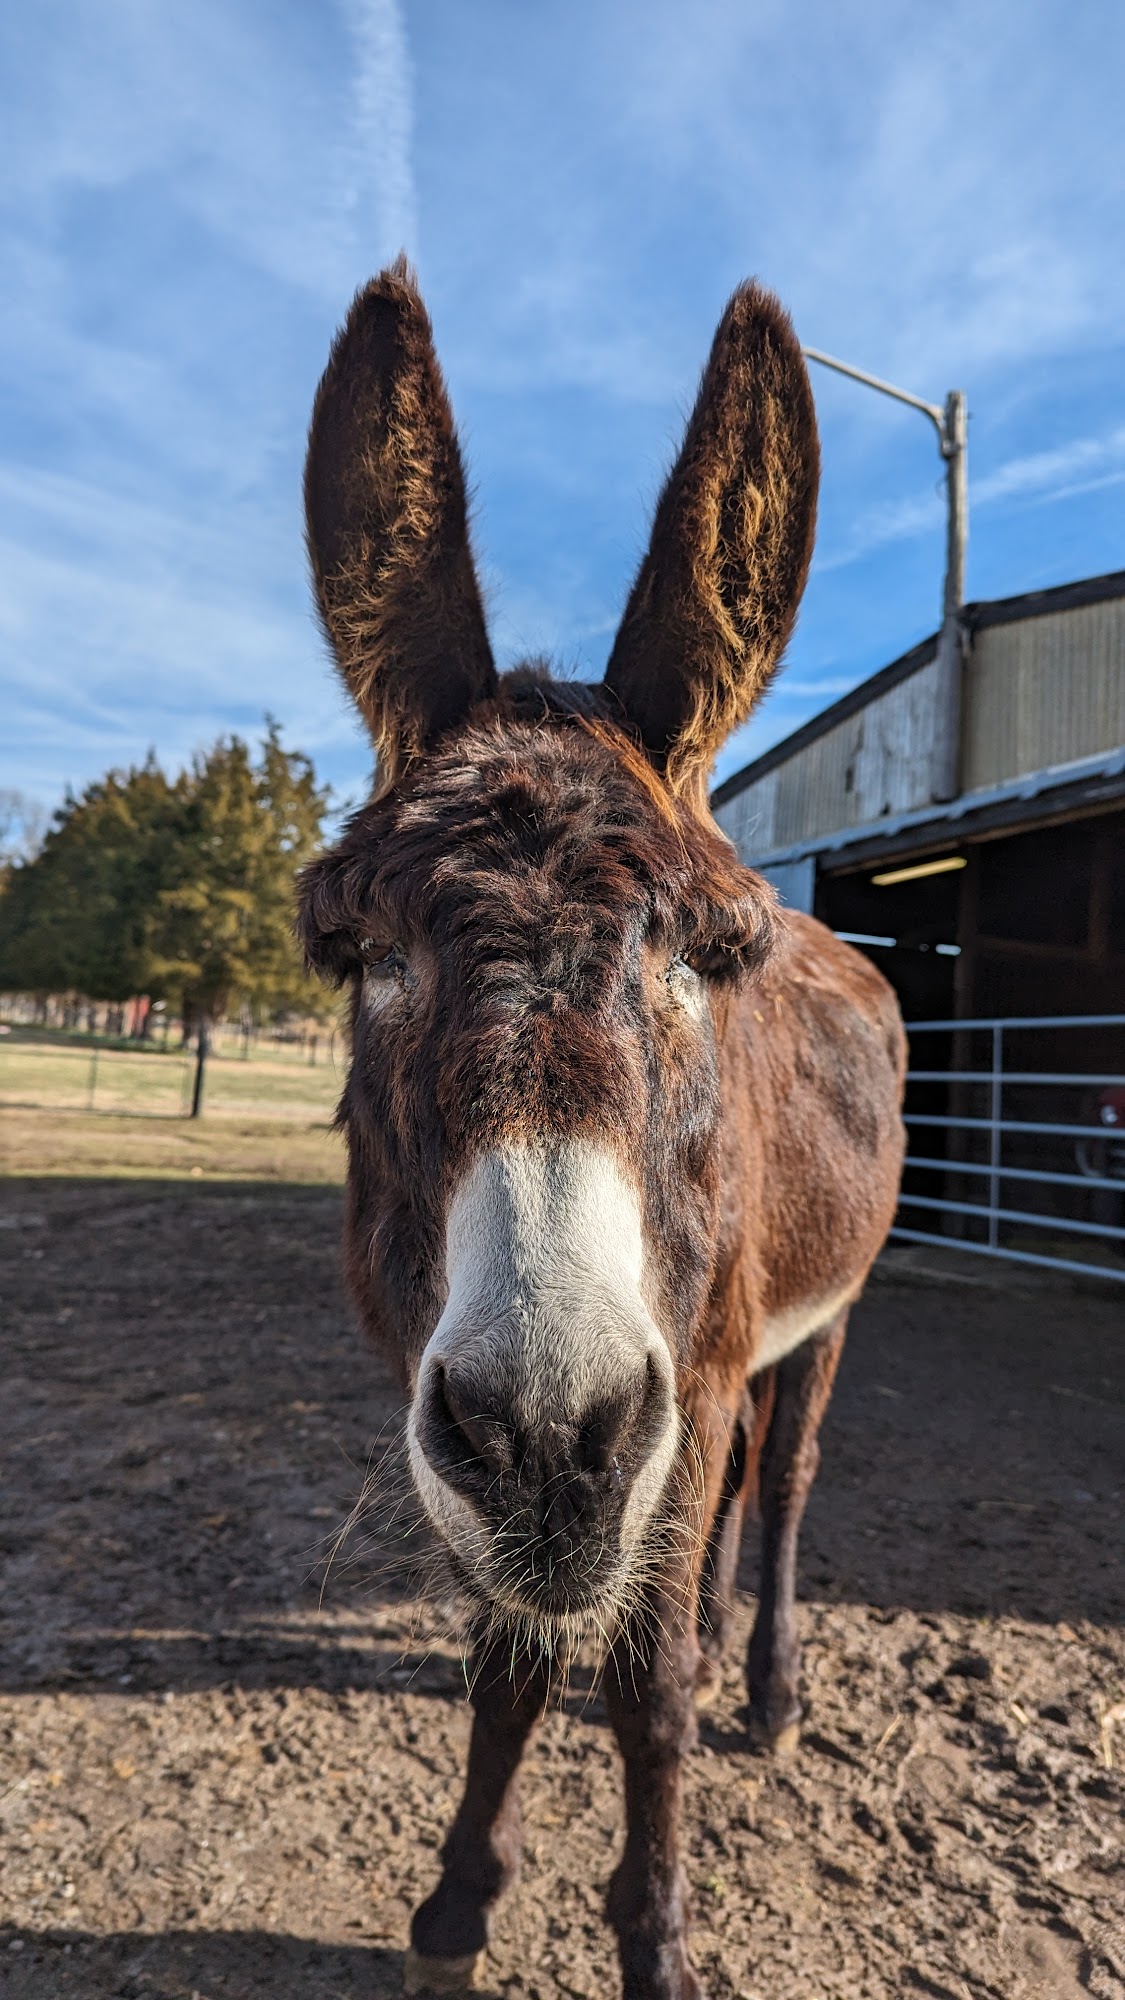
(968,832)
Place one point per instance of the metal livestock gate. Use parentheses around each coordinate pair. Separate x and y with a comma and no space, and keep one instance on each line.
(988,1165)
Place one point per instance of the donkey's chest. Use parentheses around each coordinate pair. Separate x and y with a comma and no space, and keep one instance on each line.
(785,1330)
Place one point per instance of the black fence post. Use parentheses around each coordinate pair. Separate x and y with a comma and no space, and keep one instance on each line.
(202,1052)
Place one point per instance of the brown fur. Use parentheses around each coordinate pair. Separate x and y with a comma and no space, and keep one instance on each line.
(536,864)
(387,534)
(717,594)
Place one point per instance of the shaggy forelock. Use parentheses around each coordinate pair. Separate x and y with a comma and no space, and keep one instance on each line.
(522,839)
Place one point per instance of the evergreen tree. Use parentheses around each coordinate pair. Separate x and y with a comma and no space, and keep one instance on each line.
(181,889)
(222,931)
(75,918)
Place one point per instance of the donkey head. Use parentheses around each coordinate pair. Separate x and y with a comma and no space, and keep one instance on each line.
(542,930)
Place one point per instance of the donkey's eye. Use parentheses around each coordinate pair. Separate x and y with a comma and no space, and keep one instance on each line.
(681,972)
(383,961)
(686,989)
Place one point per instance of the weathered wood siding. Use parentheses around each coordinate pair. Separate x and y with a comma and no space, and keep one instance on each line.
(1043,691)
(1038,691)
(880,760)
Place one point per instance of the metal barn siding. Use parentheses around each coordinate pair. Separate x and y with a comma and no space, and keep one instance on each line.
(1043,691)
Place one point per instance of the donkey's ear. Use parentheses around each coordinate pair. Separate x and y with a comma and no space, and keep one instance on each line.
(387,529)
(716,596)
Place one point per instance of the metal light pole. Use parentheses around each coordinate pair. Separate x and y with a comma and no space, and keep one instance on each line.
(951,422)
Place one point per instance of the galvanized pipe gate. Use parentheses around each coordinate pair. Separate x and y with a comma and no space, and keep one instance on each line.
(1097,1145)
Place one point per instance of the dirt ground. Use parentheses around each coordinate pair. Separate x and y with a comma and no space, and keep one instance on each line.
(212,1787)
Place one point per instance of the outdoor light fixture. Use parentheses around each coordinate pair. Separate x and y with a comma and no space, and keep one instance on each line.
(942,867)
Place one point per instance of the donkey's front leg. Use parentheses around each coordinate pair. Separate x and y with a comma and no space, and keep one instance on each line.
(723,1547)
(649,1687)
(481,1853)
(789,1461)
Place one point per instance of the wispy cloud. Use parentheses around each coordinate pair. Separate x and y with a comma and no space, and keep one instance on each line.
(883,524)
(123,624)
(1046,473)
(191,195)
(1083,465)
(189,201)
(379,195)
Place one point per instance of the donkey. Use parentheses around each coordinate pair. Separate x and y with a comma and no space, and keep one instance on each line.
(623,1134)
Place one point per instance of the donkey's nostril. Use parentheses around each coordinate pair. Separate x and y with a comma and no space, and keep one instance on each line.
(601,1431)
(618,1435)
(550,1489)
(655,1408)
(463,1438)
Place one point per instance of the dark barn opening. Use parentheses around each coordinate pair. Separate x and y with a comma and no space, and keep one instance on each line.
(998,912)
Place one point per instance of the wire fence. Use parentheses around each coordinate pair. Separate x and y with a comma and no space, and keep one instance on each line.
(1016,1125)
(266,1078)
(1017,1140)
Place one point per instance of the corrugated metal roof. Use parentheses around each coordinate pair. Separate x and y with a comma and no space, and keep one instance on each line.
(1057,777)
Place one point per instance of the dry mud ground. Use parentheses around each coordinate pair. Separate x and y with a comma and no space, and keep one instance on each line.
(211,1788)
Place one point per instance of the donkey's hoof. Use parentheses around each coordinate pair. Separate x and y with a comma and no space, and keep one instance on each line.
(780,1743)
(441,1975)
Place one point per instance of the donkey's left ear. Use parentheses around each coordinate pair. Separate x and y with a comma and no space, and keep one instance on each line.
(387,528)
(716,596)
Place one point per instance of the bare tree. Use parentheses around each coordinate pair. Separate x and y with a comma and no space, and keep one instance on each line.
(23,824)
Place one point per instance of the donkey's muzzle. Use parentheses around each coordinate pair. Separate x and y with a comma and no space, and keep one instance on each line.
(550,1491)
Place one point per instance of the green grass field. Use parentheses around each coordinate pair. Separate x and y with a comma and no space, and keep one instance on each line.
(67,1108)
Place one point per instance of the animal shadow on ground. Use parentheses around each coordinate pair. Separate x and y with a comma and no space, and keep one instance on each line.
(247,1965)
(189,1415)
(188,1742)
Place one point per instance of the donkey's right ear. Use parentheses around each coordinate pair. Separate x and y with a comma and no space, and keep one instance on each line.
(716,596)
(387,527)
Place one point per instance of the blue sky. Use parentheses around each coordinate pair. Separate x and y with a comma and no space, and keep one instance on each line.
(191,192)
